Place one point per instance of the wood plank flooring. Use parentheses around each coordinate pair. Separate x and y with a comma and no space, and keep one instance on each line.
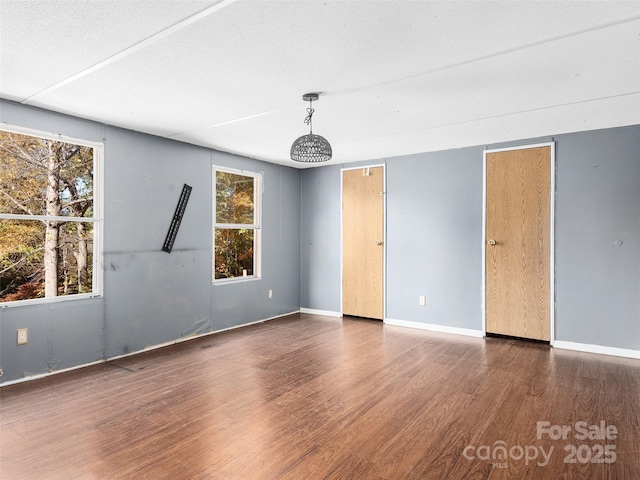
(311,397)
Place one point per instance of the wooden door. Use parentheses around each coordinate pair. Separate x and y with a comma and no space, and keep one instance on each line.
(518,293)
(362,242)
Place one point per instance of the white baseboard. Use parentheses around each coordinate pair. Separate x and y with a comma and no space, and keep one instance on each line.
(137,352)
(602,350)
(326,313)
(435,328)
(256,322)
(36,376)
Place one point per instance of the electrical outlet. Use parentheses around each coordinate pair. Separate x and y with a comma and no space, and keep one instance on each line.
(270,293)
(422,301)
(23,336)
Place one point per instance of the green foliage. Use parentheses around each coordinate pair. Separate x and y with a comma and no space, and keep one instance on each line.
(21,254)
(234,198)
(28,165)
(233,252)
(234,206)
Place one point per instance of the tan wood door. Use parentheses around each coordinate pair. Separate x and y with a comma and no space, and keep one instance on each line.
(518,213)
(362,242)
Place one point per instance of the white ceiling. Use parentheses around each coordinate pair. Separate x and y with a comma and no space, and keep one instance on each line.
(395,77)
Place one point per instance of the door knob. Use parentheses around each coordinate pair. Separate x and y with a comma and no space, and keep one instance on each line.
(492,242)
(379,242)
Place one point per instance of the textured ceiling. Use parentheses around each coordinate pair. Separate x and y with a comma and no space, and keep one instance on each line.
(395,77)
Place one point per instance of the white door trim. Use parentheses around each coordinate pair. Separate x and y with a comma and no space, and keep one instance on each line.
(552,208)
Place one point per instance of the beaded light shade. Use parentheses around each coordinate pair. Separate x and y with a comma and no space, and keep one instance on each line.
(310,148)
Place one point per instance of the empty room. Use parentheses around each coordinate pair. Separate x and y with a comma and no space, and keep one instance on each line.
(305,239)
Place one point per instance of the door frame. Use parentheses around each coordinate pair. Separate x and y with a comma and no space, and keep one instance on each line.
(552,208)
(384,235)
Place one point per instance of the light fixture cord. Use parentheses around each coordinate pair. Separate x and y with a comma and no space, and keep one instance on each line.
(307,120)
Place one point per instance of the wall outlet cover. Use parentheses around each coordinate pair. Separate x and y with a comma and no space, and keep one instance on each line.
(23,336)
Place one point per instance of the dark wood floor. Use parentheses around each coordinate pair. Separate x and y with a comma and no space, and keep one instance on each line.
(309,397)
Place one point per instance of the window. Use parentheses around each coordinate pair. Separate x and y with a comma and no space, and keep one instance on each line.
(48,218)
(236,236)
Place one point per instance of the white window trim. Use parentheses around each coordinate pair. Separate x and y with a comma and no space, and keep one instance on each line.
(97,219)
(256,227)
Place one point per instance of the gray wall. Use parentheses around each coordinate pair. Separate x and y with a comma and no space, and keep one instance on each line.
(240,303)
(320,239)
(151,297)
(434,237)
(434,228)
(598,202)
(434,231)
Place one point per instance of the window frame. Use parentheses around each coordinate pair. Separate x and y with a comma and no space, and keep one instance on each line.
(256,226)
(97,280)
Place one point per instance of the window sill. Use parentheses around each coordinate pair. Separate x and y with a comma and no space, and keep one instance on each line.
(230,281)
(46,301)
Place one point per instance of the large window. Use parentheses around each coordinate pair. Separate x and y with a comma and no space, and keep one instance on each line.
(236,236)
(49,220)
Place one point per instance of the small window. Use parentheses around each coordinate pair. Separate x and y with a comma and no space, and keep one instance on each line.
(236,236)
(48,221)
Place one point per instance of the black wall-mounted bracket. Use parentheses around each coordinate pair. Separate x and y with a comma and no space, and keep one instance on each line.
(177,219)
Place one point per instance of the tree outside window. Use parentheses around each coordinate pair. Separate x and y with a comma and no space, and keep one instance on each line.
(236,232)
(47,217)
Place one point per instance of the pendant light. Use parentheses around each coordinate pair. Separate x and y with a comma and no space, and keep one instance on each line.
(310,148)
